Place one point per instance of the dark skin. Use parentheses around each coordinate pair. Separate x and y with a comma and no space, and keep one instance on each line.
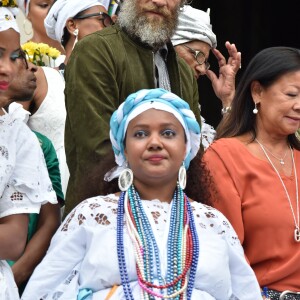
(22,88)
(13,228)
(49,221)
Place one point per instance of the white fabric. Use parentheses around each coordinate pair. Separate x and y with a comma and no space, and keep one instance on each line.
(24,6)
(50,119)
(62,10)
(208,134)
(83,254)
(194,24)
(8,287)
(7,19)
(24,180)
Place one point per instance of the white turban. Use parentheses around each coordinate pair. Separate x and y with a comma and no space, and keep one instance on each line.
(7,19)
(194,24)
(62,10)
(24,6)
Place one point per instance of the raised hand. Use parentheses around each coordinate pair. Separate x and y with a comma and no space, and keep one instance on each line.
(224,85)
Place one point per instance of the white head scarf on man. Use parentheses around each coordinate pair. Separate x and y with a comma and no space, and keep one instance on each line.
(194,24)
(62,10)
(7,19)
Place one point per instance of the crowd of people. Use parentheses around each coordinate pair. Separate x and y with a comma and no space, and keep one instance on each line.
(112,185)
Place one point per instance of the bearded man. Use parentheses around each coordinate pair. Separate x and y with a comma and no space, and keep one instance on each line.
(104,68)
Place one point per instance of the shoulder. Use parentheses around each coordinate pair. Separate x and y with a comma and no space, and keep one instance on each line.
(92,212)
(208,213)
(225,146)
(98,39)
(209,218)
(52,73)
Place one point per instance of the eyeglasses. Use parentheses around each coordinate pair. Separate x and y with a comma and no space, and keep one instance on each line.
(199,56)
(106,19)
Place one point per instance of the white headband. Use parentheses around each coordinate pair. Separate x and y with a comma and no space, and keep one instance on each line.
(194,24)
(62,10)
(7,19)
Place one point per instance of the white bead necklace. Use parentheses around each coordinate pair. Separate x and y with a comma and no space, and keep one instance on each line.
(296,222)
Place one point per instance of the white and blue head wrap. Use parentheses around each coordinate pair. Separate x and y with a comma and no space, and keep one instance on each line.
(137,103)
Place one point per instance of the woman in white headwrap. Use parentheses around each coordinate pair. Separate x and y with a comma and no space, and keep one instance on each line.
(35,11)
(150,241)
(193,41)
(24,182)
(69,21)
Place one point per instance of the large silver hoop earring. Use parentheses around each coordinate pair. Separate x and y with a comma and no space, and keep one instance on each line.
(125,179)
(27,27)
(255,110)
(182,176)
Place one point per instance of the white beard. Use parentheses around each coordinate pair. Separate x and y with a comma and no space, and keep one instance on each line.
(152,33)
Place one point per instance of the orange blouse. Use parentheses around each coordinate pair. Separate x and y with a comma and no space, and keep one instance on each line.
(251,196)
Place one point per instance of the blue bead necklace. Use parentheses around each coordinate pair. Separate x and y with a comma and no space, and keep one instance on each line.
(181,223)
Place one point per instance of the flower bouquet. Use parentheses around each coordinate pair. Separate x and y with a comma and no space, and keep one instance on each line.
(40,54)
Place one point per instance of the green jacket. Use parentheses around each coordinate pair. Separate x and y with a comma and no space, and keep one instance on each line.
(104,68)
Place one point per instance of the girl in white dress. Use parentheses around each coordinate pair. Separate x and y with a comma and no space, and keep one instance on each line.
(24,181)
(150,241)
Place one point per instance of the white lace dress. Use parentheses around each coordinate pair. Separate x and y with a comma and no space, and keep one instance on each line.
(24,181)
(50,119)
(83,254)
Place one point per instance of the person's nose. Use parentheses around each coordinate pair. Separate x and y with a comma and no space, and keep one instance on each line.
(155,142)
(6,67)
(200,70)
(297,105)
(160,3)
(32,67)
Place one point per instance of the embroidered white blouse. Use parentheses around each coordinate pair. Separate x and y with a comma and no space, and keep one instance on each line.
(24,180)
(83,254)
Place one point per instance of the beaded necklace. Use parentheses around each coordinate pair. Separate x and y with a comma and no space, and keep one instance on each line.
(182,248)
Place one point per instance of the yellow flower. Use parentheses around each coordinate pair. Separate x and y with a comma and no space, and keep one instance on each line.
(8,3)
(53,53)
(40,54)
(44,48)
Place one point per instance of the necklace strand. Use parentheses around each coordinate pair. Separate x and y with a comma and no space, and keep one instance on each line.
(182,252)
(281,159)
(297,229)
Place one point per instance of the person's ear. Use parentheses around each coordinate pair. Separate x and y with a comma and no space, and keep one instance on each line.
(256,91)
(71,26)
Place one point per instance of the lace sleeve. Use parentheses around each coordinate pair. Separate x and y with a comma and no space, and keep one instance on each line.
(208,133)
(94,211)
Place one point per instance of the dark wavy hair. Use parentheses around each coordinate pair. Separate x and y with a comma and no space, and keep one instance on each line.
(265,67)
